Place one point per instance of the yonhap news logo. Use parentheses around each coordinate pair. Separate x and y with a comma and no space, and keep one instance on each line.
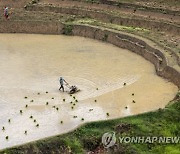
(109,139)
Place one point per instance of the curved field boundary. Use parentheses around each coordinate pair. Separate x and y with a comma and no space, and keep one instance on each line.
(121,40)
(143,13)
(109,18)
(138,7)
(105,17)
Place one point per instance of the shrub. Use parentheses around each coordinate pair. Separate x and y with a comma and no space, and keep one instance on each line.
(34,1)
(105,37)
(67,30)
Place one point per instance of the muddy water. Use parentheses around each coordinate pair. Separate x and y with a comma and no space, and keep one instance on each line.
(31,65)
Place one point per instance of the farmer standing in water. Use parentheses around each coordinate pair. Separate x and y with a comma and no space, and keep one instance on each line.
(61,81)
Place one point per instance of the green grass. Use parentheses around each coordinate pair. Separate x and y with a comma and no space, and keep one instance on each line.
(163,122)
(92,1)
(112,26)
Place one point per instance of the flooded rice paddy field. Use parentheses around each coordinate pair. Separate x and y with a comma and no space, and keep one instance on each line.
(114,83)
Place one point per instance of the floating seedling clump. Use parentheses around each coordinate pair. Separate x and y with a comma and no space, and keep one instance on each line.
(7,137)
(72,107)
(26,106)
(25,132)
(46,92)
(82,119)
(52,98)
(37,125)
(90,109)
(31,117)
(71,102)
(95,100)
(61,122)
(97,89)
(134,101)
(9,120)
(32,101)
(124,83)
(54,107)
(76,100)
(107,114)
(126,107)
(35,120)
(74,104)
(64,100)
(74,97)
(74,116)
(25,97)
(47,103)
(38,93)
(57,108)
(132,94)
(21,111)
(3,128)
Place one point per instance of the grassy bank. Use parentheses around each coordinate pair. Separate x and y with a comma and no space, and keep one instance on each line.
(163,122)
